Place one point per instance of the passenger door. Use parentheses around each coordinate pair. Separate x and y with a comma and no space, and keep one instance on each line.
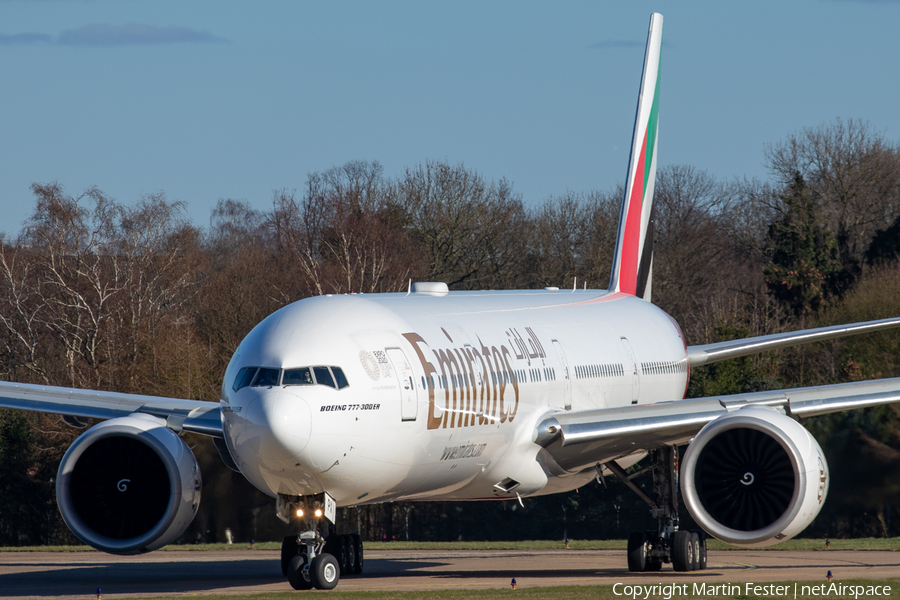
(635,377)
(409,398)
(564,368)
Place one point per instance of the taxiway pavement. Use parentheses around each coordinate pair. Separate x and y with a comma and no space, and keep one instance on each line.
(61,575)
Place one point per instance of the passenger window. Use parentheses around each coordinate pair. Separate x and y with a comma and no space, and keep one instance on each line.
(244,377)
(266,378)
(323,376)
(297,377)
(340,378)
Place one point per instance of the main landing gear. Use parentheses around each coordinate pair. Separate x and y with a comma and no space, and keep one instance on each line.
(648,550)
(312,558)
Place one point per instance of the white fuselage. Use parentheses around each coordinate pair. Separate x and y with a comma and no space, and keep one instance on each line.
(444,392)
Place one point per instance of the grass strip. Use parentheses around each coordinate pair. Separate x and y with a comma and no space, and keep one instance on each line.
(592,592)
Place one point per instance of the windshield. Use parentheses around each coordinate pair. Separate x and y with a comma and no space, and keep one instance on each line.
(332,377)
(300,376)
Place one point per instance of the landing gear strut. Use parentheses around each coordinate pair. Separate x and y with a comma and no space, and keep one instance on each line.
(648,550)
(312,558)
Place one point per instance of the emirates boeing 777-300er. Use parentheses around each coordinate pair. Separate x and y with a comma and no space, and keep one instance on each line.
(431,394)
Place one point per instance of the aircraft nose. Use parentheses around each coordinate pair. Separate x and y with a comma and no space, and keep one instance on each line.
(281,424)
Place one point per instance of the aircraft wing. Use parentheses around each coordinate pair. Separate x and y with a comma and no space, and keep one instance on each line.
(575,440)
(74,404)
(708,353)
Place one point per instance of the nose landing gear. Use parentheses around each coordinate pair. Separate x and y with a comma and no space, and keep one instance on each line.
(307,559)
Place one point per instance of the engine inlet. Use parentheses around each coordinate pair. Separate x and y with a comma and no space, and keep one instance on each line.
(745,479)
(120,487)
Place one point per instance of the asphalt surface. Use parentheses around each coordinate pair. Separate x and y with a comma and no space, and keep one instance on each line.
(191,573)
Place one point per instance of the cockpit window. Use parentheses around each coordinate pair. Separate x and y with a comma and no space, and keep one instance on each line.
(297,377)
(339,377)
(266,377)
(244,377)
(332,377)
(323,376)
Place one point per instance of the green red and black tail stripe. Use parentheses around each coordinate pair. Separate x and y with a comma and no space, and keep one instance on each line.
(632,269)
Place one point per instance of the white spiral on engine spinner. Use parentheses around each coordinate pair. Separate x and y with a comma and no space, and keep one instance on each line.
(121,485)
(748,478)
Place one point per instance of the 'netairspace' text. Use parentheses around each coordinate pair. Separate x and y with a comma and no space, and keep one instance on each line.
(670,590)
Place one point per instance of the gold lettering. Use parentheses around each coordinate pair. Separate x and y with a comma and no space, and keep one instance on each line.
(485,398)
(501,381)
(465,390)
(492,381)
(449,370)
(415,339)
(515,385)
(471,399)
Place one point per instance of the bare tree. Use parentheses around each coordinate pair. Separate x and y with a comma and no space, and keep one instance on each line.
(20,315)
(234,224)
(158,250)
(853,174)
(751,206)
(689,244)
(341,234)
(77,279)
(573,236)
(93,290)
(467,228)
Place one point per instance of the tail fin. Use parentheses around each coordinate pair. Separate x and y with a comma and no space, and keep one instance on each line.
(633,264)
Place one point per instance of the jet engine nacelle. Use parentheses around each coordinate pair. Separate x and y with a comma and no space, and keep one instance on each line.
(754,477)
(128,485)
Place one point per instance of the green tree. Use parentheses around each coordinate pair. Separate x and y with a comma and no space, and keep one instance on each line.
(804,270)
(885,246)
(735,376)
(862,446)
(853,173)
(26,498)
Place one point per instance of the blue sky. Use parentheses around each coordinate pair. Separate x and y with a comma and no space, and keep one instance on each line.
(205,100)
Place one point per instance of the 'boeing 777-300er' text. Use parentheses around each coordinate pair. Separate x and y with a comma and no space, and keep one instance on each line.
(342,400)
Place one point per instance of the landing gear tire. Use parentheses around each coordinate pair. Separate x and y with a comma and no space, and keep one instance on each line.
(350,553)
(682,551)
(702,554)
(342,554)
(289,549)
(638,548)
(357,544)
(695,551)
(337,547)
(295,573)
(324,572)
(653,563)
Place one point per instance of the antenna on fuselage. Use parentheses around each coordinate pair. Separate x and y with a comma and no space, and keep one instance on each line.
(409,289)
